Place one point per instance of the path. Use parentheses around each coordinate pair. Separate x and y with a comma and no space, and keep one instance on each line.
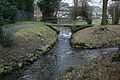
(16,27)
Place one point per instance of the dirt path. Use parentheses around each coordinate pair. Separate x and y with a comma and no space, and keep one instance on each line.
(16,27)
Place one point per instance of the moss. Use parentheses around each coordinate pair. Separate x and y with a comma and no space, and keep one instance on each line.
(20,64)
(1,70)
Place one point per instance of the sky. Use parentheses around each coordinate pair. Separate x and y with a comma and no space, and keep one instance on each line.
(96,2)
(68,1)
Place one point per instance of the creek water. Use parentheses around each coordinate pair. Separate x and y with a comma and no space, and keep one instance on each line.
(50,66)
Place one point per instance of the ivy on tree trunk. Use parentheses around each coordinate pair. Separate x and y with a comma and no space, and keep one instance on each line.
(104,13)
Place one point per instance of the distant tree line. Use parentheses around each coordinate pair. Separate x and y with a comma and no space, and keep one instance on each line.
(114,11)
(83,9)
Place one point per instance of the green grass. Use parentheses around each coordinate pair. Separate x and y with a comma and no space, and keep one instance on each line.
(81,23)
(37,27)
(47,34)
(28,40)
(18,23)
(94,37)
(97,21)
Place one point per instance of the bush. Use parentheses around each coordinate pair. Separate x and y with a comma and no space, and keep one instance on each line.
(7,39)
(89,21)
(8,12)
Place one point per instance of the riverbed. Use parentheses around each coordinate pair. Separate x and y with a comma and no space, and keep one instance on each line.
(60,58)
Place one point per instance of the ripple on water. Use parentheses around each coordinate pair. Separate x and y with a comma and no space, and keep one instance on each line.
(49,67)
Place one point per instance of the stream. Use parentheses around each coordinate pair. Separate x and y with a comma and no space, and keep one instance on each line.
(50,66)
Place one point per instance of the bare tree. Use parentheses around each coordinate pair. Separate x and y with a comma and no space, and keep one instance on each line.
(76,2)
(116,13)
(104,13)
(82,8)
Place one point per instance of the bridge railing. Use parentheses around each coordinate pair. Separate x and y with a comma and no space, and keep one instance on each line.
(63,21)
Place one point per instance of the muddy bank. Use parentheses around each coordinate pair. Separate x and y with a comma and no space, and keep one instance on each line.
(97,37)
(100,68)
(29,44)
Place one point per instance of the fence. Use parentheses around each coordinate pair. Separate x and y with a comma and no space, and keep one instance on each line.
(24,15)
(64,22)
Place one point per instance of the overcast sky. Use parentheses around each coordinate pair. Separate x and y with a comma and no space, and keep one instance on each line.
(96,2)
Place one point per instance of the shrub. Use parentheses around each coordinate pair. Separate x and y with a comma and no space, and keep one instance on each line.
(8,12)
(7,39)
(89,21)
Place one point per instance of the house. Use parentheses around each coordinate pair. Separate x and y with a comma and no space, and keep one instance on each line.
(37,12)
(64,10)
(96,11)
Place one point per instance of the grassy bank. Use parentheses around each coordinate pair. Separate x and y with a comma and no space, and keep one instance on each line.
(101,68)
(29,43)
(97,37)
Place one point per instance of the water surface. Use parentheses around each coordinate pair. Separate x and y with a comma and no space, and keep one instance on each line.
(50,66)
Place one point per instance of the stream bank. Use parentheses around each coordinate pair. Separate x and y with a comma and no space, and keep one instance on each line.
(29,44)
(96,37)
(101,68)
(60,58)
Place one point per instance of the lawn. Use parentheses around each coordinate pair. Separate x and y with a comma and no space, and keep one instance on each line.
(29,43)
(97,36)
(40,29)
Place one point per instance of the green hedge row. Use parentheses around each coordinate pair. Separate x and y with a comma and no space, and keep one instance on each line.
(9,8)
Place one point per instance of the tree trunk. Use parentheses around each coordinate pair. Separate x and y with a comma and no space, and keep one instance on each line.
(75,2)
(115,19)
(104,13)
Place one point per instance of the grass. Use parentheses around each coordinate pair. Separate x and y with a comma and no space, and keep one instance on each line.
(98,21)
(39,28)
(35,28)
(81,23)
(18,23)
(29,43)
(94,37)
